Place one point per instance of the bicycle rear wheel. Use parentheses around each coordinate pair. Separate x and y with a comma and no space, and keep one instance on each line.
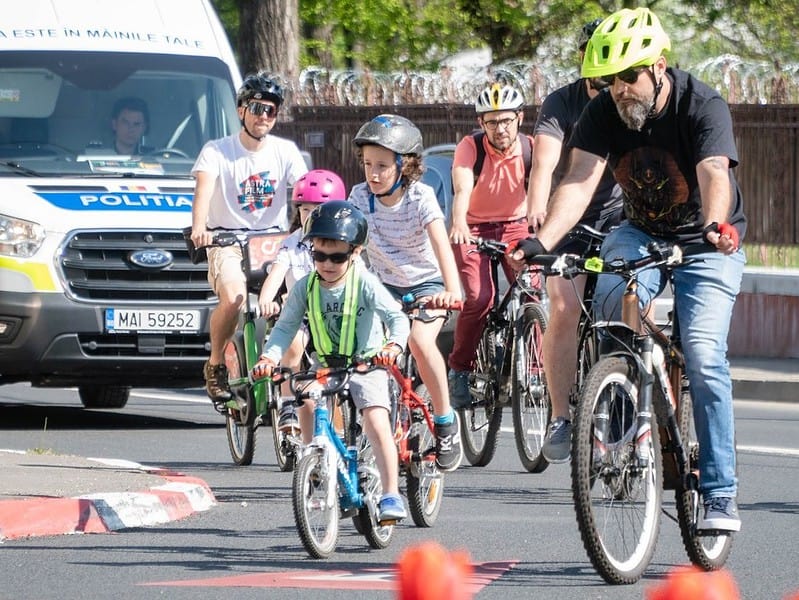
(481,421)
(616,499)
(709,552)
(316,508)
(425,483)
(240,421)
(531,405)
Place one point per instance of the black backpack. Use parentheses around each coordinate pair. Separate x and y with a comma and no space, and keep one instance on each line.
(527,155)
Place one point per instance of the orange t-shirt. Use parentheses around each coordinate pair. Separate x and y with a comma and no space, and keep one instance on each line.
(499,193)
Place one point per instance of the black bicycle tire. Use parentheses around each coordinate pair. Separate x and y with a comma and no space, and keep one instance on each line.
(240,424)
(485,368)
(377,536)
(285,454)
(302,483)
(607,371)
(530,454)
(712,556)
(423,505)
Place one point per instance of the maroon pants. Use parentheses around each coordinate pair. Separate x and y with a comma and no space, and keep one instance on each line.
(478,288)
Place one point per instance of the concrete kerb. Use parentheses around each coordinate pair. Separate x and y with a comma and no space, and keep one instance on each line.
(26,513)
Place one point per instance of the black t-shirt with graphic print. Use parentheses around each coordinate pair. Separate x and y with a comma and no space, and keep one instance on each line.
(656,167)
(556,118)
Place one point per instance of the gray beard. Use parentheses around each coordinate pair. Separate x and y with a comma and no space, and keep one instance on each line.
(634,115)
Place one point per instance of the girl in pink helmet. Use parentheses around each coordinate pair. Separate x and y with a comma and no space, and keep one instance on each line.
(292,263)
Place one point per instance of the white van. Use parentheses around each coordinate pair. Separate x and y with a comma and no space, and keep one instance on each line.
(96,288)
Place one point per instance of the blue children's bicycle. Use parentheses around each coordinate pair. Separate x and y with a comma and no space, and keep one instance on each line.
(336,475)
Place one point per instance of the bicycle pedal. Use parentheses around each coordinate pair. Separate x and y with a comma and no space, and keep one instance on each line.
(713,532)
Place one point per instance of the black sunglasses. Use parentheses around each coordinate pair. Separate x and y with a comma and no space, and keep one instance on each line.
(259,108)
(336,258)
(628,76)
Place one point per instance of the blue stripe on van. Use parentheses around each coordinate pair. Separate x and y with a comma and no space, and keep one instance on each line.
(129,201)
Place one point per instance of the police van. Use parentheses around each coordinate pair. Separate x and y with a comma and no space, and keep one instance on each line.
(96,287)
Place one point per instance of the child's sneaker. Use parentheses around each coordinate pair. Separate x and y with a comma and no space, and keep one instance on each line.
(391,508)
(449,452)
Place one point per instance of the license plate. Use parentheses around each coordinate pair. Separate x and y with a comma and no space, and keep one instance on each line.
(128,320)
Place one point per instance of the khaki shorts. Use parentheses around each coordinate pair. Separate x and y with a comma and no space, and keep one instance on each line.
(224,267)
(367,389)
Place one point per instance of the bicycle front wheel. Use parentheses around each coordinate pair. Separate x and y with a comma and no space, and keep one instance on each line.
(240,421)
(531,405)
(481,421)
(617,496)
(424,481)
(285,444)
(377,536)
(709,552)
(315,505)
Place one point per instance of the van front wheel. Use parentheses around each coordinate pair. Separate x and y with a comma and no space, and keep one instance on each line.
(104,396)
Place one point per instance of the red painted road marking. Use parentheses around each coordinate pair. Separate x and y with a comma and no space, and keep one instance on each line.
(362,579)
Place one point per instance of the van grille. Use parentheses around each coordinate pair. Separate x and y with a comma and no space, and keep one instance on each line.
(96,267)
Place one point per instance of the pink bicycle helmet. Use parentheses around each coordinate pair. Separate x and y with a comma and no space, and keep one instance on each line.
(319,186)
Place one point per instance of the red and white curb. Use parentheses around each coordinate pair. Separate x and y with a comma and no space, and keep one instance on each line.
(178,497)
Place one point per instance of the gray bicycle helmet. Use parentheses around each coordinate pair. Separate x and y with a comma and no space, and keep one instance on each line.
(396,133)
(586,32)
(259,86)
(499,97)
(337,220)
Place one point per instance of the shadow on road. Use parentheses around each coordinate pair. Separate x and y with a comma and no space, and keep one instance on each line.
(37,417)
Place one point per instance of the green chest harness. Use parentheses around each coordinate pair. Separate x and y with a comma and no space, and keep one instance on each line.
(319,333)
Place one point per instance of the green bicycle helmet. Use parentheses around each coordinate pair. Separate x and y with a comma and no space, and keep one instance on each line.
(627,38)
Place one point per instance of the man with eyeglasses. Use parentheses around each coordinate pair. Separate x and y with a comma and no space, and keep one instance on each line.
(556,119)
(242,183)
(490,204)
(669,140)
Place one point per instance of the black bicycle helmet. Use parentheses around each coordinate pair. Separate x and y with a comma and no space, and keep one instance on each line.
(586,32)
(396,133)
(337,220)
(260,86)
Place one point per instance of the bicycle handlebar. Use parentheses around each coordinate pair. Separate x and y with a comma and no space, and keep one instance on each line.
(660,254)
(332,379)
(411,303)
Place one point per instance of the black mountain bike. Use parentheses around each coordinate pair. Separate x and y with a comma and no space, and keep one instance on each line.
(634,434)
(509,369)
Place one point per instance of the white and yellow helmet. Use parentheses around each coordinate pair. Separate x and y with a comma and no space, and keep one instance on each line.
(499,97)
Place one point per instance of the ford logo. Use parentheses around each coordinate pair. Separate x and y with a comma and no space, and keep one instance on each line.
(150,259)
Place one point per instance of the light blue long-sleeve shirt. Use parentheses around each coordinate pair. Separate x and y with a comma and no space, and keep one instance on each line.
(376,309)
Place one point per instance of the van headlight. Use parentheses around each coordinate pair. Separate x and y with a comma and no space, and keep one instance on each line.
(19,238)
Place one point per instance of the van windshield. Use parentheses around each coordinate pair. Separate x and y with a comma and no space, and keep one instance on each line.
(104,114)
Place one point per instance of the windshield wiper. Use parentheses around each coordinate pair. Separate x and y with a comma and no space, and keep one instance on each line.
(18,168)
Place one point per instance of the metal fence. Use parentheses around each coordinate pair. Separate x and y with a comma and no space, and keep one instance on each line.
(766,136)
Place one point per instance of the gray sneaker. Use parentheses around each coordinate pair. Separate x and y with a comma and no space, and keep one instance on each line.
(557,446)
(459,396)
(721,514)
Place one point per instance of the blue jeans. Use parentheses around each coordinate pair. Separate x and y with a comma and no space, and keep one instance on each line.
(704,295)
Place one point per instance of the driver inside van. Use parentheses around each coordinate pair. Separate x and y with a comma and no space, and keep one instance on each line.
(130,121)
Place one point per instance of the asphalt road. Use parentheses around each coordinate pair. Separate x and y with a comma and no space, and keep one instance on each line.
(519,529)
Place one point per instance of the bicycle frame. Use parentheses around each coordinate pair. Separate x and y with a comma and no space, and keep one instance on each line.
(339,458)
(506,309)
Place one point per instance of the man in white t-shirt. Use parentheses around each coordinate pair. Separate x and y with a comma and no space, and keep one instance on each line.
(241,184)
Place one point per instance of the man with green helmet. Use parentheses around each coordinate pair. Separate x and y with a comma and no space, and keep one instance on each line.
(668,139)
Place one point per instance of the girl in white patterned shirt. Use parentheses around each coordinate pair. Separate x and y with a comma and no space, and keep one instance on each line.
(409,250)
